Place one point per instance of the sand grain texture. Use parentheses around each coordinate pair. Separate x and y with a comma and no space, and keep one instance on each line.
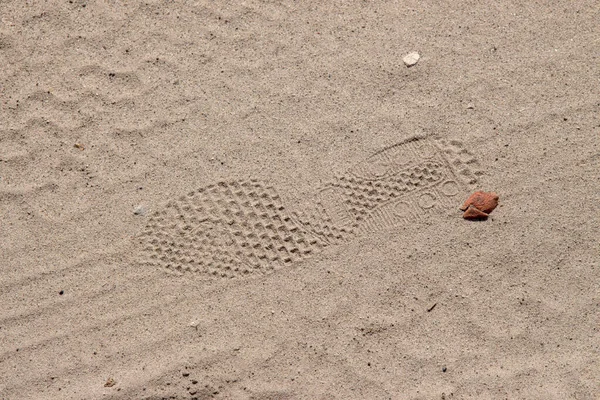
(128,130)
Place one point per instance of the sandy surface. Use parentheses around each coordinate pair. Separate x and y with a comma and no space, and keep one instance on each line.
(260,200)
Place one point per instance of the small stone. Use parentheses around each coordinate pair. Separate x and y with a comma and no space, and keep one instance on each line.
(411,59)
(110,382)
(483,201)
(444,369)
(475,214)
(140,210)
(186,374)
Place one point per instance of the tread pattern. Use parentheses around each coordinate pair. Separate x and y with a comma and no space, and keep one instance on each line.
(400,184)
(226,230)
(241,228)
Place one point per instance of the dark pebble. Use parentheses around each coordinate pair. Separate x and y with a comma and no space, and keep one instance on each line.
(61,292)
(444,369)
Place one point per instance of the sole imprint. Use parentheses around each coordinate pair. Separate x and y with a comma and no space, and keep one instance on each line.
(241,228)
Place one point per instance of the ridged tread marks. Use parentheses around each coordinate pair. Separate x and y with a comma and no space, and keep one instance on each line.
(226,230)
(463,162)
(361,196)
(399,184)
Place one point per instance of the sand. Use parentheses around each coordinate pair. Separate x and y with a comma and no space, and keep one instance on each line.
(259,200)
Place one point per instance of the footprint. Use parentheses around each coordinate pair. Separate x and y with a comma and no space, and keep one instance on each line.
(241,228)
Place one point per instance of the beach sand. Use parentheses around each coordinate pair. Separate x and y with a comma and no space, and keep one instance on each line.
(260,200)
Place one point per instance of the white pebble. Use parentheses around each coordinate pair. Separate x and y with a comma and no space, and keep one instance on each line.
(411,59)
(139,210)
